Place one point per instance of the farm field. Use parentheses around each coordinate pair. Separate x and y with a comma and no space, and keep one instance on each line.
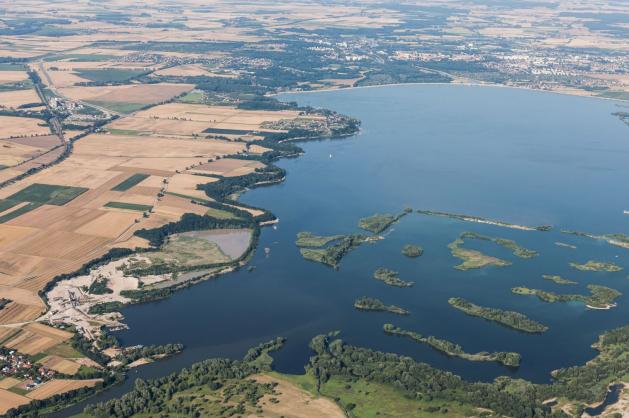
(135,93)
(195,119)
(13,126)
(16,98)
(58,386)
(65,215)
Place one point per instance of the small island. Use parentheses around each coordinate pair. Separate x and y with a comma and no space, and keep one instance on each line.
(601,297)
(412,251)
(558,279)
(517,249)
(511,319)
(618,240)
(379,223)
(597,266)
(473,259)
(372,304)
(509,359)
(391,278)
(478,219)
(332,255)
(308,239)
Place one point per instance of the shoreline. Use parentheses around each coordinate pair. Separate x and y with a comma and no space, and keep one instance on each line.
(465,84)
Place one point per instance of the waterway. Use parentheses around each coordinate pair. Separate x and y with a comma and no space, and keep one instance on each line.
(520,156)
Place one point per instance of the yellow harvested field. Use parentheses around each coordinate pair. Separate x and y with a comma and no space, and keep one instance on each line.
(10,400)
(8,332)
(9,382)
(186,184)
(17,312)
(13,154)
(154,147)
(215,114)
(295,402)
(60,364)
(228,167)
(173,207)
(35,338)
(57,386)
(132,93)
(194,119)
(61,79)
(109,225)
(20,296)
(27,342)
(152,181)
(12,77)
(14,126)
(60,245)
(17,98)
(52,332)
(161,126)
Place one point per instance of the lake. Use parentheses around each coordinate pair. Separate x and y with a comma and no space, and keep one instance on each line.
(520,156)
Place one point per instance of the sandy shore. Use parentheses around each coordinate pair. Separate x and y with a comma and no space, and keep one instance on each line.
(467,83)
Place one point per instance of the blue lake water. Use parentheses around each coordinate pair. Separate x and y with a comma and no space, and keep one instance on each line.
(520,156)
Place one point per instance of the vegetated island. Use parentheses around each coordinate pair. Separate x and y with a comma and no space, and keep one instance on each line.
(379,223)
(509,359)
(592,265)
(308,239)
(372,304)
(558,279)
(510,244)
(478,219)
(473,259)
(391,278)
(601,297)
(509,319)
(332,255)
(618,240)
(412,251)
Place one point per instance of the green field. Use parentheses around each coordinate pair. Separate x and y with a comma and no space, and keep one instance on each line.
(369,399)
(125,132)
(81,57)
(221,214)
(49,194)
(109,75)
(120,107)
(130,182)
(618,95)
(194,97)
(18,85)
(128,206)
(7,66)
(12,215)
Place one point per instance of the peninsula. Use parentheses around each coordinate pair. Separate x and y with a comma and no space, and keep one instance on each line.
(473,259)
(511,319)
(618,240)
(379,223)
(558,279)
(592,265)
(391,278)
(373,304)
(478,219)
(601,297)
(509,359)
